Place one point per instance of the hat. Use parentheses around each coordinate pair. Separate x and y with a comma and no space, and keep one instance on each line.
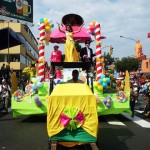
(56,46)
(87,42)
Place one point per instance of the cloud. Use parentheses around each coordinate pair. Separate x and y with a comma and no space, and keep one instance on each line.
(117,17)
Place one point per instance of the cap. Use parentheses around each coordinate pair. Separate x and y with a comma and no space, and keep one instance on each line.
(87,42)
(56,46)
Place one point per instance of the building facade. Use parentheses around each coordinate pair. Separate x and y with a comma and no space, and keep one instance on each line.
(19,56)
(145,66)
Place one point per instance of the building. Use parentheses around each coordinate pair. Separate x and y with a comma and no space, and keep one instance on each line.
(145,66)
(22,55)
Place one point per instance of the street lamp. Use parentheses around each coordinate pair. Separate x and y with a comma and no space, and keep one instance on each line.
(128,38)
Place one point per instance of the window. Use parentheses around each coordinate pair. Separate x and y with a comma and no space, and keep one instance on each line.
(146,64)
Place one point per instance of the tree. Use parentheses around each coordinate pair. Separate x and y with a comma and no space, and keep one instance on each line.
(127,63)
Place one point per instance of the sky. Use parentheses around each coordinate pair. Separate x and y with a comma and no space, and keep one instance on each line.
(128,18)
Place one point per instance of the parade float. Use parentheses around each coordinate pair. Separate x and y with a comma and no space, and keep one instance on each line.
(34,99)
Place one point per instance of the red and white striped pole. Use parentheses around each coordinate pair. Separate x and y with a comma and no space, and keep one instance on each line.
(41,51)
(98,51)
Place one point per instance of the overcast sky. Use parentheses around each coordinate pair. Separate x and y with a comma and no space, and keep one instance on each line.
(129,18)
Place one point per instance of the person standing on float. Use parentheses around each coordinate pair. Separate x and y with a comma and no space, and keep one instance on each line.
(71,55)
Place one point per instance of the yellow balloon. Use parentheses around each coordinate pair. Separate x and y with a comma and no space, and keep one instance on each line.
(95,84)
(100,87)
(104,80)
(45,20)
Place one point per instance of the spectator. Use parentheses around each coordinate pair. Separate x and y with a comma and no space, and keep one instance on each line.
(147,109)
(5,90)
(75,75)
(3,69)
(132,101)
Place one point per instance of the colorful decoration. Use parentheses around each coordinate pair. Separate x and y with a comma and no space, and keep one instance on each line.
(18,95)
(72,118)
(45,30)
(29,90)
(104,80)
(94,29)
(36,83)
(121,96)
(107,101)
(138,49)
(38,102)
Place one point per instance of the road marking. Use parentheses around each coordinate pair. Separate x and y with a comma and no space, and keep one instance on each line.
(113,121)
(139,111)
(141,122)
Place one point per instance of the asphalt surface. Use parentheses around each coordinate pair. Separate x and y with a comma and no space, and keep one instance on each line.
(30,133)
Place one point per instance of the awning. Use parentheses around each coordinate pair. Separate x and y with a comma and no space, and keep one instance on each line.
(9,38)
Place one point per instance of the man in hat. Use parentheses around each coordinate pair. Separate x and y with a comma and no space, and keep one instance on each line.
(86,52)
(56,56)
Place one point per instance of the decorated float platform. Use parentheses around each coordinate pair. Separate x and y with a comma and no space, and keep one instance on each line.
(110,101)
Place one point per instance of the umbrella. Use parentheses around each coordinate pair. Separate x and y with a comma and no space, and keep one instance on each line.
(9,38)
(72,19)
(59,37)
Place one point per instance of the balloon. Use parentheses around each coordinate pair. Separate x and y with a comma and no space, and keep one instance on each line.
(41,20)
(101,81)
(108,101)
(39,84)
(95,84)
(108,80)
(34,81)
(105,100)
(100,87)
(38,79)
(104,80)
(114,85)
(108,105)
(104,84)
(102,76)
(36,98)
(34,86)
(52,25)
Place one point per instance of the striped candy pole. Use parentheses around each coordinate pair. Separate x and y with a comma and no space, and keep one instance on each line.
(98,51)
(41,51)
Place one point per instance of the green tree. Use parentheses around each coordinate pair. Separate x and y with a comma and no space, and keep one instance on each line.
(127,63)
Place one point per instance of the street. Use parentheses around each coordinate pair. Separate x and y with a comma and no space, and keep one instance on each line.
(115,132)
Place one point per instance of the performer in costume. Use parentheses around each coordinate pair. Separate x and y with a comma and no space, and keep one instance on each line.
(86,52)
(71,55)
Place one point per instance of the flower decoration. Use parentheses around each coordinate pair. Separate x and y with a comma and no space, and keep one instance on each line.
(72,118)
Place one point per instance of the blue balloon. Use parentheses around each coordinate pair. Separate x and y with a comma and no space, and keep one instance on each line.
(102,76)
(101,81)
(39,84)
(104,84)
(108,80)
(34,86)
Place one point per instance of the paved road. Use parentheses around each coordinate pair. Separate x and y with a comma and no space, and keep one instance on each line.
(116,132)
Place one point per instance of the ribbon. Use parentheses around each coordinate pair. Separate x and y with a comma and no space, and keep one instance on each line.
(72,118)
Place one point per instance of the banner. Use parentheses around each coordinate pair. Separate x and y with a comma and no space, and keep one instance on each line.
(18,9)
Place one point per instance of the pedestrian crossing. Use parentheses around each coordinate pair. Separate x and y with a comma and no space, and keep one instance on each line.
(119,121)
